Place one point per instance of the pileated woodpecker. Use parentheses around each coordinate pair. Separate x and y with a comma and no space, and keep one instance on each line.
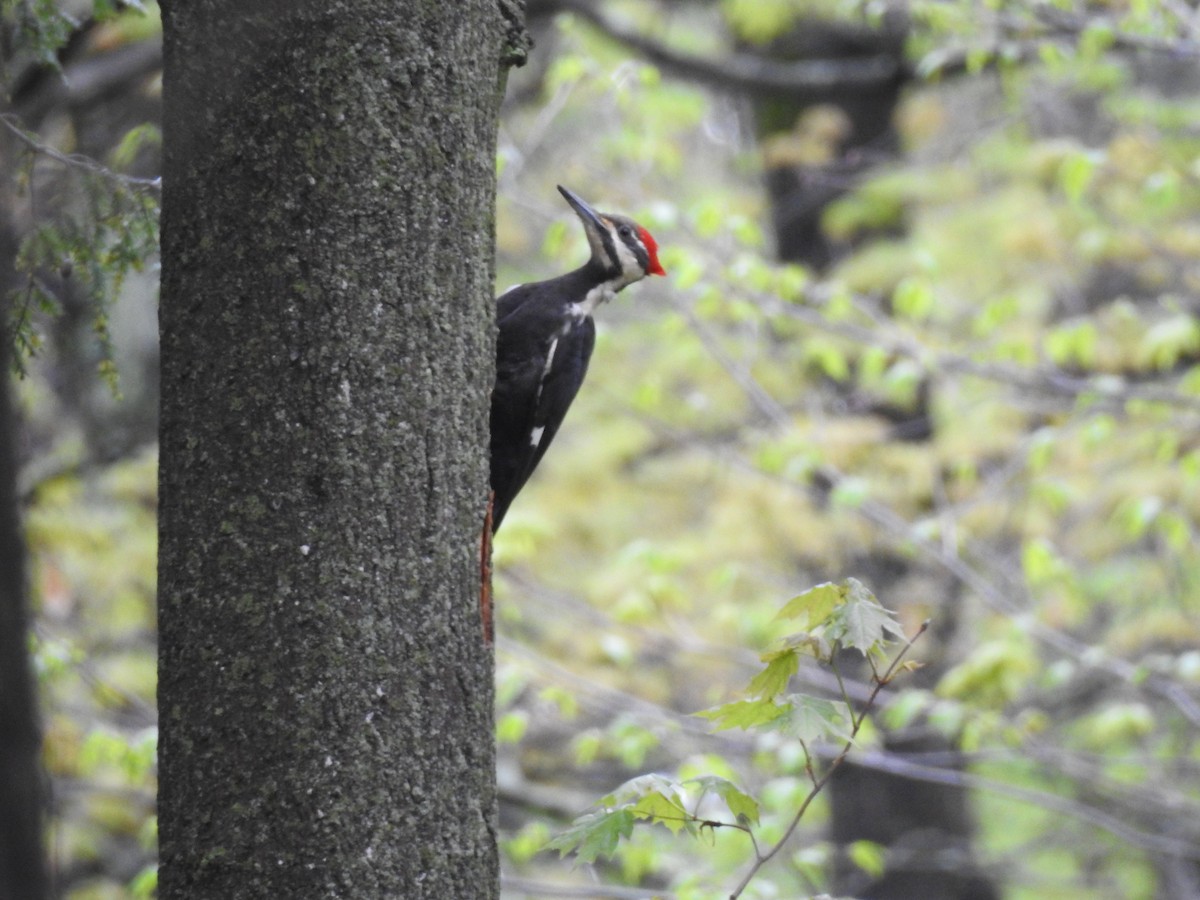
(545,342)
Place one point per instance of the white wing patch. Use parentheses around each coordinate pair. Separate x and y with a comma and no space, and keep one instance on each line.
(535,436)
(549,361)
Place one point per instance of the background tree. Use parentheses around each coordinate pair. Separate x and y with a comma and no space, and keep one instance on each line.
(979,400)
(912,411)
(22,863)
(325,687)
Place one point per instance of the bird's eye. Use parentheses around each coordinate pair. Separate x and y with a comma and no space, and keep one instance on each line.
(625,231)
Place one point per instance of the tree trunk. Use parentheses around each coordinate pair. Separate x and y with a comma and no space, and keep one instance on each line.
(818,145)
(325,692)
(22,866)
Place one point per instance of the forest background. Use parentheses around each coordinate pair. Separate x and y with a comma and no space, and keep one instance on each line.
(930,324)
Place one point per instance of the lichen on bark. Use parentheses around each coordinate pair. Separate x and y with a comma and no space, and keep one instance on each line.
(325,695)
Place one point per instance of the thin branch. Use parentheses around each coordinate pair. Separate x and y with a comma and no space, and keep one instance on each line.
(85,81)
(680,639)
(745,72)
(74,160)
(1157,843)
(612,699)
(757,394)
(819,77)
(532,887)
(1072,24)
(856,725)
(1111,390)
(948,557)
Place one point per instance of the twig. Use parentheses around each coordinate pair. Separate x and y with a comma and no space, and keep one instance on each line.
(856,722)
(742,71)
(1114,390)
(1065,22)
(532,887)
(74,160)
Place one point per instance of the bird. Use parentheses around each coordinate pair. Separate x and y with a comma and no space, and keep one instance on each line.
(544,343)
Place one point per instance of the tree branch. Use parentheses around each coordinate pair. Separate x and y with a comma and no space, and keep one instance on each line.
(744,71)
(73,160)
(87,80)
(881,681)
(532,887)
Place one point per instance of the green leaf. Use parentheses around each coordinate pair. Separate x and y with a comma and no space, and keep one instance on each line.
(743,714)
(772,680)
(994,674)
(814,606)
(1073,343)
(850,492)
(1097,37)
(510,727)
(636,788)
(813,642)
(814,719)
(861,622)
(1042,563)
(664,810)
(741,804)
(913,298)
(135,139)
(595,834)
(145,883)
(1170,340)
(827,358)
(758,21)
(1118,724)
(1076,171)
(907,707)
(868,856)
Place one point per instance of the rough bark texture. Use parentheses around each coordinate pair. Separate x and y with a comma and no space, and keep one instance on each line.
(22,867)
(325,694)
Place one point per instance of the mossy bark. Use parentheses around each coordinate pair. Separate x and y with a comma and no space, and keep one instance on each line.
(325,693)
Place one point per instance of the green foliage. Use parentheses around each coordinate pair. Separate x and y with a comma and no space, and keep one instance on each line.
(654,800)
(868,856)
(112,232)
(984,403)
(89,226)
(760,21)
(40,27)
(1018,284)
(597,833)
(92,546)
(839,616)
(145,884)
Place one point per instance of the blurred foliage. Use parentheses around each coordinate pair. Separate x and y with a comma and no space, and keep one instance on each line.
(92,544)
(79,225)
(83,226)
(832,618)
(114,231)
(985,411)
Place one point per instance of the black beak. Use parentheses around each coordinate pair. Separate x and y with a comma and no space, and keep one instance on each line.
(585,212)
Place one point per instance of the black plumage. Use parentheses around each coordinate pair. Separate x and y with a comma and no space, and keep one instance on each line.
(545,341)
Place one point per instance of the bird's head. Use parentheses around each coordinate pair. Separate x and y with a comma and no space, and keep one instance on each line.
(621,247)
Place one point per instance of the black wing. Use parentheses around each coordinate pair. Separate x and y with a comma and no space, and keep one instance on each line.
(541,360)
